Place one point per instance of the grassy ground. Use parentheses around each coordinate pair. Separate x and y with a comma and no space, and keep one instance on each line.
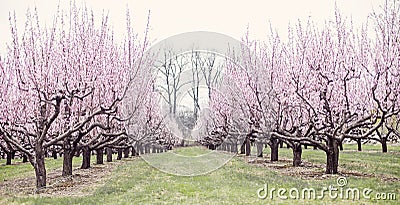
(135,182)
(19,169)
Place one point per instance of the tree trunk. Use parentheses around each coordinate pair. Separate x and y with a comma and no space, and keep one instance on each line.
(332,157)
(228,147)
(119,156)
(39,166)
(248,147)
(134,153)
(54,154)
(359,148)
(126,152)
(24,158)
(260,147)
(9,157)
(67,158)
(243,147)
(274,149)
(305,146)
(67,162)
(99,156)
(234,148)
(85,158)
(297,150)
(384,144)
(109,154)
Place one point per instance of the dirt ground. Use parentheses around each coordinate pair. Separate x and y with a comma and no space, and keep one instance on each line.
(82,182)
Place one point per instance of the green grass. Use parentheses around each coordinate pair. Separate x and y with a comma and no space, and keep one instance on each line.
(371,160)
(136,182)
(191,151)
(19,169)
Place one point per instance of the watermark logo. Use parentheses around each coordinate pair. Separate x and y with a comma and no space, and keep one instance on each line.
(340,190)
(179,79)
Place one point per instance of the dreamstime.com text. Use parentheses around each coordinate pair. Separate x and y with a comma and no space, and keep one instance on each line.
(337,191)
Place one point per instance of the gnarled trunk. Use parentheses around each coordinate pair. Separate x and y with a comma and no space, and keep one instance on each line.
(274,149)
(384,144)
(39,166)
(297,151)
(109,154)
(67,163)
(99,156)
(67,159)
(119,154)
(332,157)
(85,158)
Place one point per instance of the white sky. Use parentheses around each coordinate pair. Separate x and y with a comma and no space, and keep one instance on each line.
(170,17)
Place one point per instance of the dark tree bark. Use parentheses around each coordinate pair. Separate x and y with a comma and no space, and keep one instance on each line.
(126,152)
(260,147)
(54,154)
(99,156)
(67,158)
(248,147)
(297,151)
(9,158)
(12,154)
(332,157)
(384,144)
(243,147)
(39,166)
(67,163)
(281,144)
(119,156)
(359,145)
(85,158)
(24,158)
(109,154)
(274,149)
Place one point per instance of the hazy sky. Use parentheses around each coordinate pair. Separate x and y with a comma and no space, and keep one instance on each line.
(170,17)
